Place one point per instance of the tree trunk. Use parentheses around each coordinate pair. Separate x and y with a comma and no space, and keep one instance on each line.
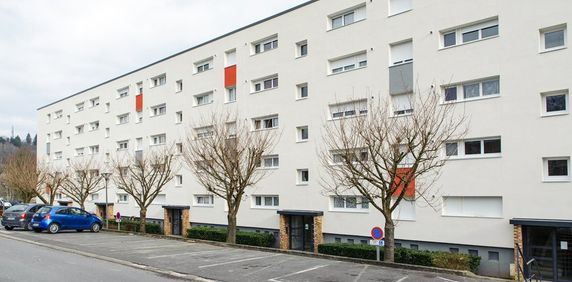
(142,220)
(231,235)
(389,249)
(82,205)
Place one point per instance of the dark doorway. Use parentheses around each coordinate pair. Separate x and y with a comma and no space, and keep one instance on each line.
(176,222)
(302,233)
(552,249)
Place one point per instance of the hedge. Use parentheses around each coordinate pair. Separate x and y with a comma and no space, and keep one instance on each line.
(243,238)
(454,261)
(133,225)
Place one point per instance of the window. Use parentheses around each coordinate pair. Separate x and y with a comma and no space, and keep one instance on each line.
(454,250)
(269,162)
(178,180)
(494,256)
(555,103)
(302,133)
(58,135)
(79,107)
(483,88)
(122,145)
(107,132)
(94,149)
(94,126)
(469,33)
(79,129)
(302,91)
(302,49)
(338,240)
(347,17)
(204,65)
(58,114)
(178,86)
(158,110)
(553,38)
(58,155)
(107,107)
(348,109)
(159,80)
(266,201)
(230,58)
(123,92)
(348,63)
(472,206)
(179,117)
(203,99)
(405,210)
(265,45)
(159,139)
(399,6)
(231,129)
(349,203)
(68,141)
(556,169)
(401,53)
(122,198)
(179,148)
(303,176)
(94,102)
(402,104)
(79,151)
(231,95)
(474,148)
(474,253)
(48,118)
(123,119)
(266,122)
(94,197)
(204,132)
(204,200)
(265,83)
(68,119)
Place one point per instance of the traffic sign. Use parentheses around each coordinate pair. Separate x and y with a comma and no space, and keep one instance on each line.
(377,233)
(118,217)
(380,243)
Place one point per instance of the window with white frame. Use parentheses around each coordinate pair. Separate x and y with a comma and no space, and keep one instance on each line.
(265,83)
(230,58)
(401,53)
(79,151)
(179,147)
(79,129)
(265,45)
(272,161)
(107,132)
(302,176)
(123,119)
(159,139)
(139,117)
(107,107)
(122,145)
(158,110)
(58,135)
(140,87)
(122,198)
(470,206)
(204,132)
(399,6)
(347,17)
(179,180)
(58,155)
(556,169)
(179,117)
(68,141)
(339,157)
(178,86)
(94,149)
(58,114)
(48,136)
(230,95)
(68,119)
(139,144)
(348,63)
(204,65)
(79,107)
(265,122)
(48,118)
(302,49)
(350,203)
(405,210)
(204,200)
(161,199)
(266,201)
(203,99)
(483,88)
(94,197)
(553,38)
(94,125)
(123,92)
(402,104)
(302,133)
(158,80)
(231,129)
(490,147)
(555,102)
(470,33)
(94,102)
(348,109)
(302,91)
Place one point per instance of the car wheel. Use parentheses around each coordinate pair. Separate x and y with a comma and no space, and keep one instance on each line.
(8,227)
(95,227)
(79,230)
(28,226)
(53,228)
(37,230)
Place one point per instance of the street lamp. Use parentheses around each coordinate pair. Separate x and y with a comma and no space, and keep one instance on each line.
(106,176)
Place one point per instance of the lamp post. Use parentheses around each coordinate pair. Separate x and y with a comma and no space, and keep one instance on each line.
(106,176)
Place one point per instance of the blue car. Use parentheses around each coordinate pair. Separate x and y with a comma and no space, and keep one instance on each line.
(56,218)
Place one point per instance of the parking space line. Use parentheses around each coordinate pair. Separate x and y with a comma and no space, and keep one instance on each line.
(362,272)
(266,267)
(402,279)
(445,279)
(107,242)
(146,248)
(237,261)
(295,273)
(183,254)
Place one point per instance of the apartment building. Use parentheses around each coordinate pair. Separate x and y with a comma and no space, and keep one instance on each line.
(505,63)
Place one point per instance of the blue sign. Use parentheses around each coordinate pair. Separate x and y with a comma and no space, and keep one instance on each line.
(377,233)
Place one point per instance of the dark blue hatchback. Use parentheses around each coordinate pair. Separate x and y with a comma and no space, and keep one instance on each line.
(56,218)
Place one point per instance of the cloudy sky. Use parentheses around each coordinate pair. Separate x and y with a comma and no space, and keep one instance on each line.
(52,49)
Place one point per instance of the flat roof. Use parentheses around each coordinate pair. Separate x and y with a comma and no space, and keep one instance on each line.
(186,50)
(300,212)
(541,222)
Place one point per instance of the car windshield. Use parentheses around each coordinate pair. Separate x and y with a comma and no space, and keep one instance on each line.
(45,210)
(17,208)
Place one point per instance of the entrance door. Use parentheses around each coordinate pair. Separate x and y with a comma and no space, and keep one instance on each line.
(552,250)
(302,233)
(176,223)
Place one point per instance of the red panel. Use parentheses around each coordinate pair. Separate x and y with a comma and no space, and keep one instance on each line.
(230,76)
(402,173)
(139,103)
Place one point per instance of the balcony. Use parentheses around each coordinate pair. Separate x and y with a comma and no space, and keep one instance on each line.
(401,79)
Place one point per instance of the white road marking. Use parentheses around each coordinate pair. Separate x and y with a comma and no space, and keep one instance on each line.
(237,261)
(445,279)
(402,279)
(295,273)
(146,248)
(183,254)
(361,273)
(107,242)
(265,268)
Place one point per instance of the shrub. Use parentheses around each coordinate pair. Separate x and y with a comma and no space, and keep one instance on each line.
(133,225)
(219,235)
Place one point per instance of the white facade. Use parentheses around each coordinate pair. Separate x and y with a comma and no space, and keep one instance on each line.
(480,192)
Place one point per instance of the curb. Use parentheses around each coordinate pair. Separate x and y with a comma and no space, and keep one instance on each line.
(462,273)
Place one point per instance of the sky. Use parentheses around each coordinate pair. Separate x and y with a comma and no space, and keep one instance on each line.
(52,49)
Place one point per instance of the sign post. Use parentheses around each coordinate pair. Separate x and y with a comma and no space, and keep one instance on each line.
(118,219)
(377,235)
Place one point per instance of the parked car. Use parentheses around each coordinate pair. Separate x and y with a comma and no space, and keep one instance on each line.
(56,218)
(20,216)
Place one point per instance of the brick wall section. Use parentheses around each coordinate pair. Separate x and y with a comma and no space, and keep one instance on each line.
(110,214)
(284,228)
(167,225)
(186,221)
(318,235)
(518,261)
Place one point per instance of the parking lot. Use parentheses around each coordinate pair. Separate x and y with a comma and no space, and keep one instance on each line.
(186,260)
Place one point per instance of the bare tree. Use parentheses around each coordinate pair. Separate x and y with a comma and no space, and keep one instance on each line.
(83,180)
(54,181)
(379,157)
(24,175)
(225,157)
(143,177)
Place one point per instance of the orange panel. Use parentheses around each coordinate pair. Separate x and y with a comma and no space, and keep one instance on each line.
(230,76)
(139,103)
(402,173)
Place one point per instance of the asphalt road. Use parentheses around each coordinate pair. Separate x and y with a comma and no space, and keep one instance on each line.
(29,259)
